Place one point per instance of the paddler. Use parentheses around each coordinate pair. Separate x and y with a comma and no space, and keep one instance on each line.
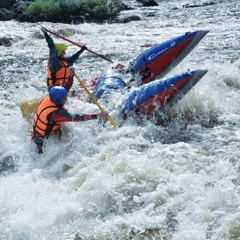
(51,113)
(58,65)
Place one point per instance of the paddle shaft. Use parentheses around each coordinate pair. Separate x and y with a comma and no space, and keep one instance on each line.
(99,55)
(94,100)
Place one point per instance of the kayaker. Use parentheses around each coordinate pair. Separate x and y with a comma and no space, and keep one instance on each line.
(58,65)
(51,113)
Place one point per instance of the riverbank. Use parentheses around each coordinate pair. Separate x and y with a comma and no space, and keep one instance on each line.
(14,10)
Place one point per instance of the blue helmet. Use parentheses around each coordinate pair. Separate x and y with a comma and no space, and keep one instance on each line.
(57,94)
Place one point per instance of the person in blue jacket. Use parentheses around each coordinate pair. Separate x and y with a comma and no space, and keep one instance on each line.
(58,65)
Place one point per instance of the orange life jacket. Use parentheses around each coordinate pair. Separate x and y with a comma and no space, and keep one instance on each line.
(60,77)
(41,125)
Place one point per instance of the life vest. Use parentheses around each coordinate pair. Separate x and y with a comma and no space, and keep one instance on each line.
(41,125)
(60,77)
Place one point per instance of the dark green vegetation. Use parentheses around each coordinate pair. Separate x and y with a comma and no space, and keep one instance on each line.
(68,10)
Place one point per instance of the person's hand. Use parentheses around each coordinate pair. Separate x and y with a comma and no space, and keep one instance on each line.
(102,115)
(83,48)
(71,71)
(44,30)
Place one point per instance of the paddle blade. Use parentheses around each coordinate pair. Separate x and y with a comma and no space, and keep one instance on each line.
(28,107)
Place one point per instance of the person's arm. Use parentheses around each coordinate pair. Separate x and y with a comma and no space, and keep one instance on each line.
(68,84)
(71,60)
(62,115)
(53,62)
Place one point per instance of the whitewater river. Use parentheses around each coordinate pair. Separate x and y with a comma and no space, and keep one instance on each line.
(175,180)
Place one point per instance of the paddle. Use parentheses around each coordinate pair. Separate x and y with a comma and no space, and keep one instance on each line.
(99,55)
(94,100)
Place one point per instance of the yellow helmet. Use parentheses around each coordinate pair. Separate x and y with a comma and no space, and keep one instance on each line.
(60,48)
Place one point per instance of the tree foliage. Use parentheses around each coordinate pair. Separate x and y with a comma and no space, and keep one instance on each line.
(63,10)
